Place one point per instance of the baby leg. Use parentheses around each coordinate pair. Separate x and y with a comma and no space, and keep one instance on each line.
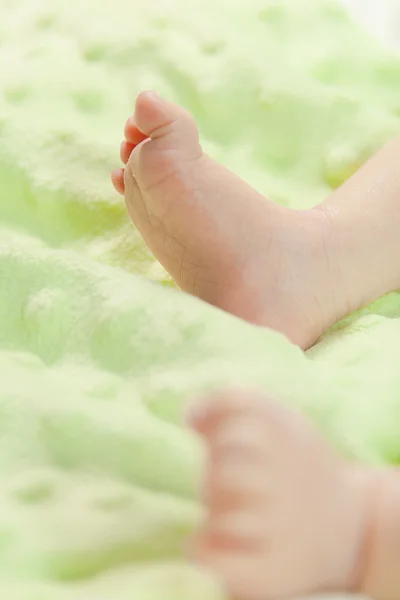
(365,218)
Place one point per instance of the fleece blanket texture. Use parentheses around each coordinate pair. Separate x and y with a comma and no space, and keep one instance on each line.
(98,353)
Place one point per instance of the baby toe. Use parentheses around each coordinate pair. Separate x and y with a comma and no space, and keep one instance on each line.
(209,411)
(236,470)
(126,151)
(170,124)
(117,178)
(132,133)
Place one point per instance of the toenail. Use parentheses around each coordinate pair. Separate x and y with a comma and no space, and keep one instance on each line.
(153,95)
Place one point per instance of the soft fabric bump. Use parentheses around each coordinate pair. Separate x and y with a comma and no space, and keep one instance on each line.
(99,477)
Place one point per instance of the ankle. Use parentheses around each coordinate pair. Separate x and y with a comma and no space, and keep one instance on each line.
(336,260)
(363,253)
(332,236)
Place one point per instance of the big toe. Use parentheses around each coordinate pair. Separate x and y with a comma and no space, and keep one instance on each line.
(171,140)
(171,125)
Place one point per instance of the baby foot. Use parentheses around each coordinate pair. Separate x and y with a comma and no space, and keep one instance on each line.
(285,517)
(220,239)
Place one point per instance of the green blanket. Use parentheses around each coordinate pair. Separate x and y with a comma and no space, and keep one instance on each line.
(98,476)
